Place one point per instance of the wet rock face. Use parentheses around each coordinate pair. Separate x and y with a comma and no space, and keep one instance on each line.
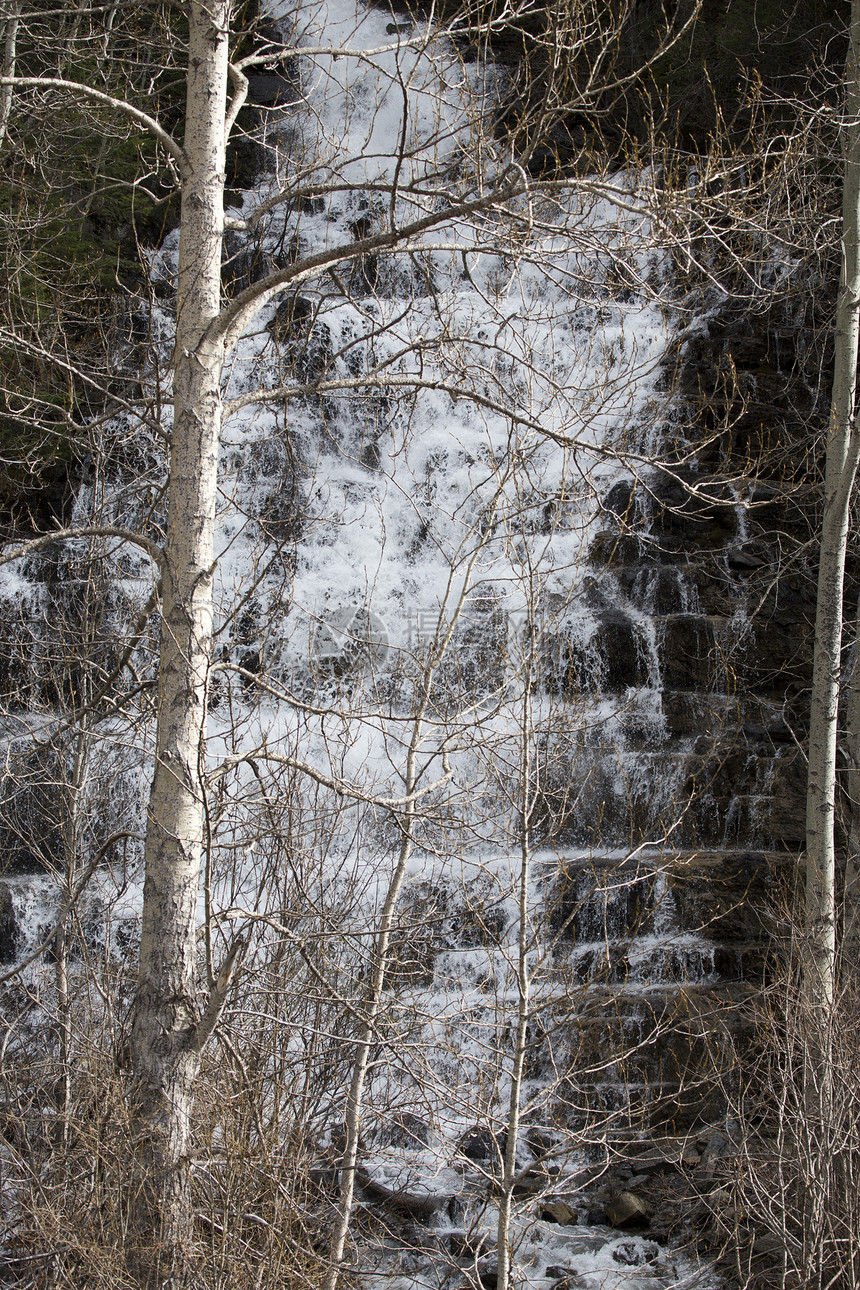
(714,562)
(622,652)
(645,959)
(10,936)
(697,630)
(693,562)
(605,904)
(481,1144)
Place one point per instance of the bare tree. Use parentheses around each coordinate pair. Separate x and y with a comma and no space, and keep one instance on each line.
(843,454)
(419,204)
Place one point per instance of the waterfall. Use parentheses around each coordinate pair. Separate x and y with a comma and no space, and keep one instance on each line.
(442,478)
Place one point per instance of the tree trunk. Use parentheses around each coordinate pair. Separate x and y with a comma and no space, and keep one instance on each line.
(843,450)
(9,51)
(849,956)
(164,1041)
(523,980)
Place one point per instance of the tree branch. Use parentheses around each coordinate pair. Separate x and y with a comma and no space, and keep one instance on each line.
(68,905)
(240,95)
(141,119)
(233,320)
(34,545)
(218,997)
(338,785)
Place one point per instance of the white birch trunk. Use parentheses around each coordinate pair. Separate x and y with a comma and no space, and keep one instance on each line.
(849,956)
(843,450)
(523,977)
(9,52)
(164,1041)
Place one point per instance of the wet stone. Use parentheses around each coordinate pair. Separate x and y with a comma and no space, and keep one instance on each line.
(406,1130)
(269,89)
(612,549)
(556,1211)
(628,1210)
(621,501)
(467,1244)
(688,659)
(488,1272)
(635,1253)
(622,652)
(9,930)
(564,1279)
(482,1145)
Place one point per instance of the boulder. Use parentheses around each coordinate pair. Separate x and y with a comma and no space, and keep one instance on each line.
(564,1279)
(768,1245)
(405,1129)
(537,1179)
(488,1271)
(634,1253)
(558,1211)
(628,1210)
(483,1145)
(468,1244)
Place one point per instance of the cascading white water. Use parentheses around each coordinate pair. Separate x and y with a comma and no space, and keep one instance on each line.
(446,423)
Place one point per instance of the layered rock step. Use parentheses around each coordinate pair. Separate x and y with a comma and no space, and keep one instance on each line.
(641,968)
(644,969)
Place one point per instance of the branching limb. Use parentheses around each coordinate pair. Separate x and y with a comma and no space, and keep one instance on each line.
(141,119)
(219,994)
(67,905)
(34,545)
(339,786)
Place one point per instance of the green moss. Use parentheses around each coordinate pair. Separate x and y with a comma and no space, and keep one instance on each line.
(73,220)
(82,193)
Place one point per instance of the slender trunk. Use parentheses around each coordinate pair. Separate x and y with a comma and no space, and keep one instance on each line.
(64,1024)
(843,451)
(849,958)
(164,1041)
(9,58)
(355,1095)
(71,846)
(503,1234)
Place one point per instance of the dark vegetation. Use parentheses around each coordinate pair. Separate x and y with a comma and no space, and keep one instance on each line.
(739,67)
(80,205)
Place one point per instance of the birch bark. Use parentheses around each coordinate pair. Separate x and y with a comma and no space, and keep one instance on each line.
(849,955)
(12,22)
(165,1045)
(843,453)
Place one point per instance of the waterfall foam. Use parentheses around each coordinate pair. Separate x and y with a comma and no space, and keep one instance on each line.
(377,495)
